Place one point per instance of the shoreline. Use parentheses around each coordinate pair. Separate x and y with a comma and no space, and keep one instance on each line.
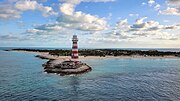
(54,64)
(64,65)
(46,55)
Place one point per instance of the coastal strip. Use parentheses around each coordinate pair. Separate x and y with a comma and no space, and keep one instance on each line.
(100,53)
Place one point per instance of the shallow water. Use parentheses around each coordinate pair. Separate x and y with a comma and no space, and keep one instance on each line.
(132,79)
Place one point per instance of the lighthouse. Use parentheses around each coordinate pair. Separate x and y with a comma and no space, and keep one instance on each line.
(74,54)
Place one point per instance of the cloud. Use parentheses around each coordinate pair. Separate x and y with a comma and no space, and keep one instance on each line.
(171,11)
(174,2)
(98,0)
(13,9)
(46,29)
(33,5)
(149,29)
(67,8)
(151,2)
(79,20)
(11,37)
(140,25)
(145,26)
(12,1)
(7,11)
(41,0)
(140,20)
(49,29)
(157,7)
(78,1)
(167,36)
(32,38)
(122,23)
(72,20)
(141,30)
(26,5)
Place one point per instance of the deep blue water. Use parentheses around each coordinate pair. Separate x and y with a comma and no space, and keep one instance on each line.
(129,79)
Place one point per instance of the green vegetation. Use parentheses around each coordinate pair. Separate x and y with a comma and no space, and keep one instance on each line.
(105,52)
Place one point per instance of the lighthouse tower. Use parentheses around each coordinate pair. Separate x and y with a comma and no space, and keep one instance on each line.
(74,55)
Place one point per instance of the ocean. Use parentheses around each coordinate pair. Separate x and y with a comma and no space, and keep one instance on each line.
(22,78)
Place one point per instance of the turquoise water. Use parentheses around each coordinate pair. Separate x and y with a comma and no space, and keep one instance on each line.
(129,79)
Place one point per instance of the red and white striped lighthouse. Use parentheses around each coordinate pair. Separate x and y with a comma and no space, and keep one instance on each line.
(74,55)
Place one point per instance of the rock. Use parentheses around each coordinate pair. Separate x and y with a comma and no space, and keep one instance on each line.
(66,69)
(41,57)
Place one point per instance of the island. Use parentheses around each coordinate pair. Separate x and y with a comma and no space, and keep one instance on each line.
(104,52)
(60,62)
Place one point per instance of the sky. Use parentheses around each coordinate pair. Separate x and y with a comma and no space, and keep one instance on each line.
(97,23)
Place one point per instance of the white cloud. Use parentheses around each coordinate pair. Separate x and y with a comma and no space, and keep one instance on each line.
(122,25)
(171,11)
(154,4)
(141,29)
(82,21)
(33,5)
(157,7)
(67,8)
(26,5)
(151,2)
(12,1)
(41,0)
(78,1)
(7,11)
(140,20)
(13,9)
(34,31)
(79,20)
(140,25)
(69,21)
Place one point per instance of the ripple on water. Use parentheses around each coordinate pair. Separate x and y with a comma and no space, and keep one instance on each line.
(125,80)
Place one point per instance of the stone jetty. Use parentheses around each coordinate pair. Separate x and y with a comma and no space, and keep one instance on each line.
(66,67)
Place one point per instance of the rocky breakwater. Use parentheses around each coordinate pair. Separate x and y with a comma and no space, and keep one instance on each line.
(64,66)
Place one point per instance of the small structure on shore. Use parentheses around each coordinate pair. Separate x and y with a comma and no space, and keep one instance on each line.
(66,67)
